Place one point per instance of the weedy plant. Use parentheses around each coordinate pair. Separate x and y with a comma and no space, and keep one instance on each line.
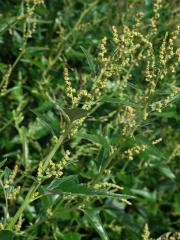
(89,120)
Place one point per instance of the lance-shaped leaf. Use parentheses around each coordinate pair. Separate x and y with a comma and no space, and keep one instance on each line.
(75,113)
(113,100)
(89,60)
(71,185)
(103,156)
(92,215)
(49,123)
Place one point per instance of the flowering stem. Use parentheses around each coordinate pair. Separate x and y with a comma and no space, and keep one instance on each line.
(35,185)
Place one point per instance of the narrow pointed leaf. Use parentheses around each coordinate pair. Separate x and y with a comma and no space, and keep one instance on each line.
(70,185)
(89,60)
(76,113)
(166,171)
(94,219)
(49,123)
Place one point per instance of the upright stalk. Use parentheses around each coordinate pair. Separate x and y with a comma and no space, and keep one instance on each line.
(35,185)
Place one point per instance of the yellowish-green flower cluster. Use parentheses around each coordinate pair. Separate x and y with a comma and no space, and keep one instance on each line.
(96,91)
(114,187)
(131,48)
(40,172)
(175,153)
(156,141)
(171,236)
(38,2)
(162,53)
(115,35)
(19,224)
(35,195)
(1,226)
(11,178)
(34,2)
(178,54)
(30,22)
(49,212)
(129,120)
(129,154)
(150,78)
(82,206)
(159,105)
(53,169)
(11,191)
(166,54)
(103,51)
(82,93)
(5,80)
(68,86)
(114,227)
(75,126)
(146,233)
(75,95)
(105,72)
(138,18)
(123,55)
(29,27)
(157,5)
(14,193)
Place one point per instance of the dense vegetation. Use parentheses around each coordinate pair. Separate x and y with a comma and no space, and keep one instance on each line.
(89,119)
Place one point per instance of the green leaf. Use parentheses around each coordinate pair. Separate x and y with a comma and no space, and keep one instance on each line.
(71,53)
(152,149)
(6,23)
(38,130)
(93,217)
(71,185)
(33,63)
(2,163)
(167,114)
(89,60)
(36,49)
(6,173)
(6,235)
(75,113)
(145,194)
(97,139)
(49,122)
(72,236)
(57,182)
(62,213)
(113,100)
(166,171)
(103,156)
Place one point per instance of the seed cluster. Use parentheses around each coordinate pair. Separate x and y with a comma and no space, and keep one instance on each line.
(53,169)
(129,154)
